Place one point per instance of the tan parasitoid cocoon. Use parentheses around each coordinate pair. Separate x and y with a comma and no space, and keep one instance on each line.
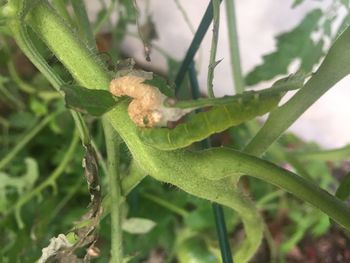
(146,109)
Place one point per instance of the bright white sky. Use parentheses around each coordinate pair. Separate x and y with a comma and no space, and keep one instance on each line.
(326,122)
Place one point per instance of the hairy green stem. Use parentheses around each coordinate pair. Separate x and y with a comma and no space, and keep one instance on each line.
(85,66)
(14,10)
(234,47)
(113,148)
(128,183)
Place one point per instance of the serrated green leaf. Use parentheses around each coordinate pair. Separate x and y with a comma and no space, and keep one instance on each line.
(94,102)
(311,56)
(291,45)
(137,225)
(343,191)
(161,84)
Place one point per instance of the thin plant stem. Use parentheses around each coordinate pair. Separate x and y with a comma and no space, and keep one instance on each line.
(234,46)
(214,46)
(191,27)
(100,158)
(83,22)
(113,146)
(325,155)
(105,17)
(128,183)
(23,86)
(49,181)
(168,205)
(27,138)
(185,16)
(155,46)
(195,44)
(11,99)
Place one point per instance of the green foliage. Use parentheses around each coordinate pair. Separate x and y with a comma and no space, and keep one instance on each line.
(94,102)
(18,184)
(343,191)
(292,45)
(136,225)
(195,250)
(155,216)
(162,84)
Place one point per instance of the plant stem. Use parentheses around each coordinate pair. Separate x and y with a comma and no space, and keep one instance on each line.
(100,22)
(234,47)
(185,16)
(326,155)
(90,73)
(23,86)
(166,204)
(27,138)
(50,181)
(197,39)
(60,6)
(113,144)
(214,45)
(334,67)
(19,30)
(83,22)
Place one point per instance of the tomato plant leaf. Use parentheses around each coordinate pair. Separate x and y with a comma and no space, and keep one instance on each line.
(137,225)
(291,45)
(94,102)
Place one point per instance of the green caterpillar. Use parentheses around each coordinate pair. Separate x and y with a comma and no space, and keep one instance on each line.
(203,124)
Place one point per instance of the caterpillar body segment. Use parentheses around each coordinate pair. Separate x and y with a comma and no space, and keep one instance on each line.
(203,124)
